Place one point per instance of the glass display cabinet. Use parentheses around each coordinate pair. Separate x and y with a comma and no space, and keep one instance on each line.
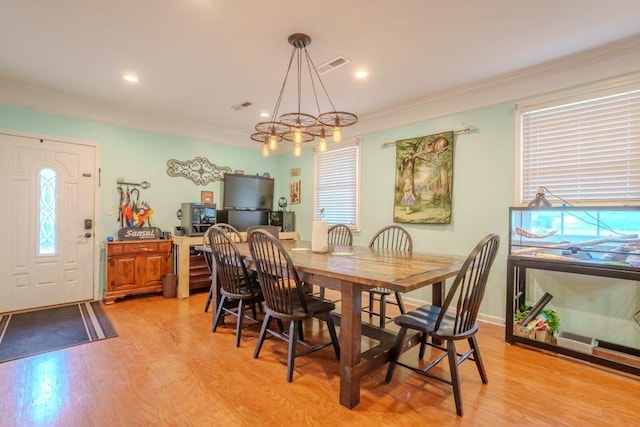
(593,236)
(595,241)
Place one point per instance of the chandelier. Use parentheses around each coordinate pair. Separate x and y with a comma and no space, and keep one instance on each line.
(299,127)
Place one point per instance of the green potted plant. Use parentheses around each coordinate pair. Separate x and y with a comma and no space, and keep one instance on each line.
(541,328)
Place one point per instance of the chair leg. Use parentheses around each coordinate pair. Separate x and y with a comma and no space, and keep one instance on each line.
(292,350)
(239,324)
(216,320)
(263,332)
(371,299)
(253,309)
(209,298)
(473,343)
(300,331)
(455,378)
(395,353)
(383,310)
(400,303)
(423,345)
(321,293)
(334,337)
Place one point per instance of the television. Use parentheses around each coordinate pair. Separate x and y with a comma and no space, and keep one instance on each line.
(248,192)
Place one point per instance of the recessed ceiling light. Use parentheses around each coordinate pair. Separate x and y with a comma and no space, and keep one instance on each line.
(264,114)
(361,74)
(130,78)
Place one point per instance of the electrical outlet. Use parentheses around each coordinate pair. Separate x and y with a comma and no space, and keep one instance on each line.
(110,210)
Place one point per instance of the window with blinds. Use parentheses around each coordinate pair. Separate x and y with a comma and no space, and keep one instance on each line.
(337,189)
(583,151)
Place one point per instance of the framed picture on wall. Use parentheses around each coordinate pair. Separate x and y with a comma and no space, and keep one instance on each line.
(294,192)
(206,197)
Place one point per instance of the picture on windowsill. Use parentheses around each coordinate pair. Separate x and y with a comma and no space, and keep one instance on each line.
(294,192)
(424,179)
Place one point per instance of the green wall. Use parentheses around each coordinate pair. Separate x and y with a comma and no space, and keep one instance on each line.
(142,156)
(482,192)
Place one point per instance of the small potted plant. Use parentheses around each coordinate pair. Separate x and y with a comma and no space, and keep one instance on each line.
(541,328)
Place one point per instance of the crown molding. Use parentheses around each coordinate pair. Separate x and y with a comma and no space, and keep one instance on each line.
(35,98)
(607,61)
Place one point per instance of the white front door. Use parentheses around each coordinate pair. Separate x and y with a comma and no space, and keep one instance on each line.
(47,211)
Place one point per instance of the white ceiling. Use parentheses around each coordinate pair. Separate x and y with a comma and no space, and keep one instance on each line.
(198,58)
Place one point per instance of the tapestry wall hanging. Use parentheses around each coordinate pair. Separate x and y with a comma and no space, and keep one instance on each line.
(424,179)
(199,170)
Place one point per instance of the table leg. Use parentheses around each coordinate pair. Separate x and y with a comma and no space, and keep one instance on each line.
(437,298)
(437,294)
(350,344)
(183,270)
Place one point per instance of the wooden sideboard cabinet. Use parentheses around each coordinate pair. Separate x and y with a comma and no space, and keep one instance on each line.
(136,267)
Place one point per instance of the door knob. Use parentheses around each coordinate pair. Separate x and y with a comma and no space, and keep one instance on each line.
(87,235)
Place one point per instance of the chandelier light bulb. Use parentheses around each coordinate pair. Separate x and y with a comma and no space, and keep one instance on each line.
(337,133)
(265,150)
(322,145)
(297,135)
(297,149)
(273,140)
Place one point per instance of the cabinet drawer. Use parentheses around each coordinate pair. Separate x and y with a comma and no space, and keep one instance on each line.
(140,247)
(114,249)
(165,246)
(118,248)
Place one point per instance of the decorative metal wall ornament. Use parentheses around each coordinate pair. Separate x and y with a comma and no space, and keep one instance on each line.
(199,170)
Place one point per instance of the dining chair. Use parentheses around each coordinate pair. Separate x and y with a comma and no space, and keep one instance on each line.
(237,286)
(396,238)
(338,235)
(235,235)
(285,299)
(455,320)
(271,229)
(231,231)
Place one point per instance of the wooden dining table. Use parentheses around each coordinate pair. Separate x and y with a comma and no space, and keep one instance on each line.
(351,270)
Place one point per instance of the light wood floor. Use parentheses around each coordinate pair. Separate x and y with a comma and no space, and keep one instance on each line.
(166,367)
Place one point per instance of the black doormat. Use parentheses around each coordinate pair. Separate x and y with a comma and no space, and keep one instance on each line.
(35,332)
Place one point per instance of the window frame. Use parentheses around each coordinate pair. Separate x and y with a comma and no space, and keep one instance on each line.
(587,92)
(353,143)
(55,249)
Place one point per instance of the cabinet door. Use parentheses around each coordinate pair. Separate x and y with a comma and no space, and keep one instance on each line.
(123,273)
(153,267)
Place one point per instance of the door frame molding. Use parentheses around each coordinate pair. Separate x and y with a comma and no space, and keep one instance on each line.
(97,221)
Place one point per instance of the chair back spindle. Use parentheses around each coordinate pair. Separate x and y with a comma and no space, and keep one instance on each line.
(232,273)
(465,296)
(271,229)
(340,235)
(277,275)
(392,237)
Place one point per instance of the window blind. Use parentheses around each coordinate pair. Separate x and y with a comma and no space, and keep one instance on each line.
(585,151)
(337,186)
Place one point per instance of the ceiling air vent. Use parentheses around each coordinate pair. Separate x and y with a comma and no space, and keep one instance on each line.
(242,105)
(332,65)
